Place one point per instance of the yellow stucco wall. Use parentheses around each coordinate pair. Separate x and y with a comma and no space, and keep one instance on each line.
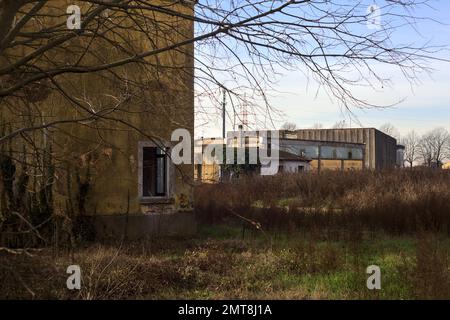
(330,164)
(106,151)
(337,164)
(353,165)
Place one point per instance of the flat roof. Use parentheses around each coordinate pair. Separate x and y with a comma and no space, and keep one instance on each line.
(342,129)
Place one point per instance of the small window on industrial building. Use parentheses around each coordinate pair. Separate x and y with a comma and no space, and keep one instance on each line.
(301,168)
(335,154)
(302,152)
(350,155)
(153,172)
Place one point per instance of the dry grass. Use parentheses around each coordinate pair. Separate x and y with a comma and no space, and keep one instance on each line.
(295,268)
(284,237)
(396,202)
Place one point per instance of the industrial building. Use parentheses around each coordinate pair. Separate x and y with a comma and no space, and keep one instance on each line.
(321,149)
(381,150)
(327,155)
(294,154)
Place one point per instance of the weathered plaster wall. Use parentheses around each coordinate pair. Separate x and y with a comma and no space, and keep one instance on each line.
(104,152)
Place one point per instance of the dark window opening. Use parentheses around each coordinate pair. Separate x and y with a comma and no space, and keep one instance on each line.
(301,168)
(302,152)
(350,155)
(154,177)
(199,172)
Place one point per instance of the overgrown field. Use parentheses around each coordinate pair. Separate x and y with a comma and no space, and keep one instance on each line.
(397,202)
(284,237)
(219,264)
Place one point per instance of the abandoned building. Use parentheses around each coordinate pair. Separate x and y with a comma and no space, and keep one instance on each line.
(114,168)
(319,149)
(210,170)
(381,150)
(294,154)
(327,155)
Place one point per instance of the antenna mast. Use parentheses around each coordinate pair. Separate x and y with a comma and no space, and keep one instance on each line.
(224,104)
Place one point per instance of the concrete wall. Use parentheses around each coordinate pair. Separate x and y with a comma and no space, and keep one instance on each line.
(103,153)
(139,227)
(386,151)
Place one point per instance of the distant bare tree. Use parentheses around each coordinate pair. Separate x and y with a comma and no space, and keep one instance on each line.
(440,141)
(340,124)
(289,126)
(448,151)
(433,146)
(391,130)
(412,147)
(426,149)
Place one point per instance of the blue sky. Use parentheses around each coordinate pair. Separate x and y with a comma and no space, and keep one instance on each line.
(425,106)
